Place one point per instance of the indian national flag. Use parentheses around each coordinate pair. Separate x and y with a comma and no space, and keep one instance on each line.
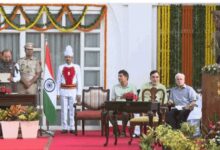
(49,92)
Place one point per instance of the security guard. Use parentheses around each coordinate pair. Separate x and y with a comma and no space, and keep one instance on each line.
(69,89)
(30,69)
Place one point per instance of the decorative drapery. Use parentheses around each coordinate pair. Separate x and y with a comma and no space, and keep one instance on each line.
(53,22)
(184,41)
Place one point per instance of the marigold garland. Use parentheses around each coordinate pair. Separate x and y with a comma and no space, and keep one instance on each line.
(48,24)
(22,28)
(87,28)
(163,59)
(72,27)
(171,47)
(12,17)
(210,29)
(53,22)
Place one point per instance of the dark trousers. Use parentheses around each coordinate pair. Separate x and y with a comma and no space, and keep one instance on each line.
(113,117)
(175,117)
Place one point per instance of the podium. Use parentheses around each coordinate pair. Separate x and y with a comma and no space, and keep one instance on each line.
(210,97)
(18,99)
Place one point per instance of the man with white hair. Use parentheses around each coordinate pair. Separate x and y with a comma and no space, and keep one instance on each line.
(184,98)
(68,89)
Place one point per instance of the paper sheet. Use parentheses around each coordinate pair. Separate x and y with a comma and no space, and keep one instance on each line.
(4,77)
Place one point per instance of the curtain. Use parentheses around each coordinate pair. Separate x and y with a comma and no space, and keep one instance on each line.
(57,43)
(10,41)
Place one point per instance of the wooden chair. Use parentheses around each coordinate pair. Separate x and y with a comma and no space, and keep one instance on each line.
(155,115)
(93,101)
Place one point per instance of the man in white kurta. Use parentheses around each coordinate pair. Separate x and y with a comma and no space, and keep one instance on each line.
(69,89)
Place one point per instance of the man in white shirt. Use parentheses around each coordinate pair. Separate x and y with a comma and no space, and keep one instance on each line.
(118,94)
(69,89)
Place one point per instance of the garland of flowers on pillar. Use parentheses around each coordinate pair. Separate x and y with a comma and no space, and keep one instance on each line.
(53,22)
(198,43)
(209,30)
(187,31)
(175,42)
(158,38)
(164,43)
(201,42)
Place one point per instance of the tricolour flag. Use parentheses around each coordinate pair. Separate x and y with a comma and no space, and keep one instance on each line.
(49,92)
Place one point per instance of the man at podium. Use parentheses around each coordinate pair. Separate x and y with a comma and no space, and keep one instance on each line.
(9,71)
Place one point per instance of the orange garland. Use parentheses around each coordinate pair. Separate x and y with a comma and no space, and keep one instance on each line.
(92,27)
(104,15)
(44,29)
(187,28)
(65,9)
(49,4)
(12,18)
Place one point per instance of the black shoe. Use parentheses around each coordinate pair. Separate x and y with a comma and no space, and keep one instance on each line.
(135,136)
(123,134)
(64,131)
(72,131)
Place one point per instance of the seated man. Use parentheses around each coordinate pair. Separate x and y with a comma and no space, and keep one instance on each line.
(154,82)
(117,94)
(184,98)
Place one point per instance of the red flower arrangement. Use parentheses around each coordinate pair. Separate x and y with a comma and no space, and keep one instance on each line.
(5,90)
(130,96)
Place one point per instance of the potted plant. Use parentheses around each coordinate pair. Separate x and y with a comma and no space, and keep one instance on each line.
(165,138)
(29,122)
(9,121)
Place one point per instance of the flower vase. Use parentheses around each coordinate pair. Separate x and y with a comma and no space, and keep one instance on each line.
(29,129)
(10,129)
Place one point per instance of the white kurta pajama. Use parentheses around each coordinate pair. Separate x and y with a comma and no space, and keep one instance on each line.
(68,95)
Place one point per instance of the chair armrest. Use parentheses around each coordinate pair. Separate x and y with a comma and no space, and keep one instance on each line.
(164,109)
(77,104)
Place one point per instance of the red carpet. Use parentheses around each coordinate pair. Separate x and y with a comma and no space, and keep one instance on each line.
(24,144)
(92,140)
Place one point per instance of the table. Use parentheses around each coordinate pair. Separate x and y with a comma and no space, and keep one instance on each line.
(130,107)
(18,99)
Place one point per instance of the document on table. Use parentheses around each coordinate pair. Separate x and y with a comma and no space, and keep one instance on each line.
(178,107)
(4,77)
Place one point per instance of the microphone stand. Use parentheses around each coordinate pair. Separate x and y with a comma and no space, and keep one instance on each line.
(48,132)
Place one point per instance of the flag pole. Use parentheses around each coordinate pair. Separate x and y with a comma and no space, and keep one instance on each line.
(50,133)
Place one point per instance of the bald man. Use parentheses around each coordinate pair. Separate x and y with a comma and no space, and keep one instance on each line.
(184,98)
